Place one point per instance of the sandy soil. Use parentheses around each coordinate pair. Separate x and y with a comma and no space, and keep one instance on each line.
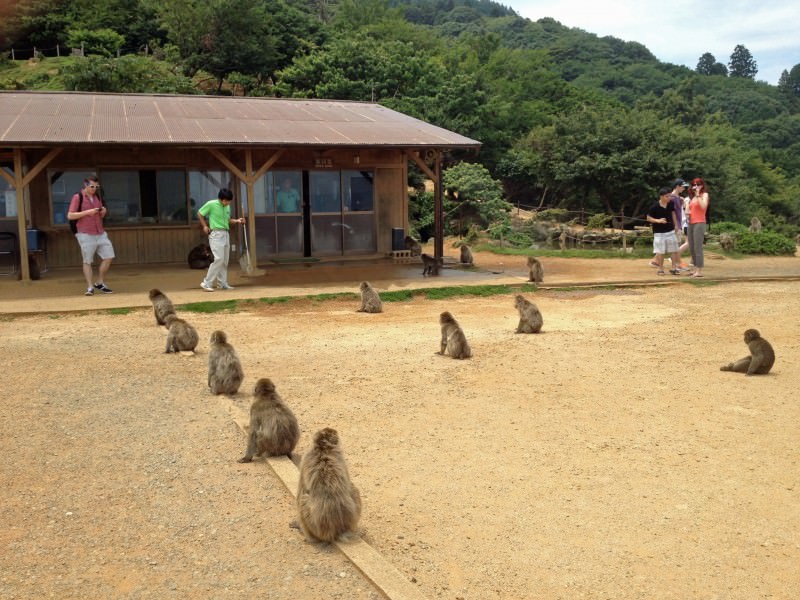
(607,457)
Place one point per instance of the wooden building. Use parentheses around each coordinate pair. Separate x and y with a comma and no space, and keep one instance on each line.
(316,179)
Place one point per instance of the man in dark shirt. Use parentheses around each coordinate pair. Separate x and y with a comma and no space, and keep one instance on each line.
(664,222)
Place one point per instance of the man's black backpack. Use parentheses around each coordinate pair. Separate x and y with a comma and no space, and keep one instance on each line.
(73,223)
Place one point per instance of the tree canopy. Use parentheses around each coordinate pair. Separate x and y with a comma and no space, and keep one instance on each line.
(566,118)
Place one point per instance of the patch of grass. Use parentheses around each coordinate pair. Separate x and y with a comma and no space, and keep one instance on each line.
(53,316)
(570,253)
(211,307)
(467,290)
(276,300)
(119,311)
(398,296)
(333,296)
(701,282)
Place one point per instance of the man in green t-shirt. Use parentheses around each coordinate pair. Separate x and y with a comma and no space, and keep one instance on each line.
(215,217)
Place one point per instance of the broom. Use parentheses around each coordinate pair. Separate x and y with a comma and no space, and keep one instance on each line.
(244,259)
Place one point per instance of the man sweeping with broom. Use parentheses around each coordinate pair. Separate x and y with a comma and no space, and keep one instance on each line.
(215,217)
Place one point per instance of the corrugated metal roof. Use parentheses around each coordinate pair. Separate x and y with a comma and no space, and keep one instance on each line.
(56,118)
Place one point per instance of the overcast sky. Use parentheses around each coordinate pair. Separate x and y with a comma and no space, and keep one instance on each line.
(680,31)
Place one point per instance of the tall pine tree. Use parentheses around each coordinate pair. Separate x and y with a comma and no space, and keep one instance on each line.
(742,63)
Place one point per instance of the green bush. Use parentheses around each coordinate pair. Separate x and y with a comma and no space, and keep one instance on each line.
(560,215)
(643,241)
(103,42)
(730,227)
(598,221)
(766,242)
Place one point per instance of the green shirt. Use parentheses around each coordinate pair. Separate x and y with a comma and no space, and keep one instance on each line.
(288,200)
(216,214)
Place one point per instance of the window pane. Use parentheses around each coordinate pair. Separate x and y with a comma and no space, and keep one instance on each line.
(357,191)
(324,191)
(265,235)
(326,234)
(120,190)
(290,235)
(8,201)
(63,186)
(262,190)
(288,191)
(172,198)
(359,233)
(205,186)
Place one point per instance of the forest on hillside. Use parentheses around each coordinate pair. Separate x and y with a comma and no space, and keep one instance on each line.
(567,119)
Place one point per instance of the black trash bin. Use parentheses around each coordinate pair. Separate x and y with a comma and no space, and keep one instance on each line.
(398,239)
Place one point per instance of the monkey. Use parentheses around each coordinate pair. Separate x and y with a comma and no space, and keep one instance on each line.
(162,306)
(454,342)
(466,255)
(530,319)
(761,358)
(182,337)
(225,373)
(200,257)
(370,300)
(273,427)
(726,241)
(535,270)
(755,225)
(413,245)
(328,504)
(430,265)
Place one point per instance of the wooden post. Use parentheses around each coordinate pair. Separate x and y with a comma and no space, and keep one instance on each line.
(22,241)
(438,211)
(622,226)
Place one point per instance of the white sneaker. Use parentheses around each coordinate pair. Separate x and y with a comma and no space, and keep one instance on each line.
(227,287)
(205,287)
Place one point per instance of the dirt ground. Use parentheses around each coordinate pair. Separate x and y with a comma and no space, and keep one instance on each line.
(607,457)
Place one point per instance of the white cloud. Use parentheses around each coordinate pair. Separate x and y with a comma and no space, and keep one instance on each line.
(680,32)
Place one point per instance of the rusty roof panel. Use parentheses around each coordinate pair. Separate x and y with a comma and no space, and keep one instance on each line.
(143,108)
(28,125)
(144,130)
(183,131)
(68,130)
(107,128)
(37,118)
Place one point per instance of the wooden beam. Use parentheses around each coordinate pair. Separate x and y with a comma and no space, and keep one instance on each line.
(265,167)
(438,211)
(9,178)
(249,182)
(22,242)
(385,576)
(38,167)
(227,162)
(425,168)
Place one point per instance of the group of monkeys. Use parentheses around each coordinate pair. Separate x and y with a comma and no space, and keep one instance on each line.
(454,342)
(431,265)
(328,504)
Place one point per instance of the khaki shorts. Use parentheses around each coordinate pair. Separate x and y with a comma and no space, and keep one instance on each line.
(94,244)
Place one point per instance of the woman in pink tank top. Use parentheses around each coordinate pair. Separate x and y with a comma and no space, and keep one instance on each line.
(698,206)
